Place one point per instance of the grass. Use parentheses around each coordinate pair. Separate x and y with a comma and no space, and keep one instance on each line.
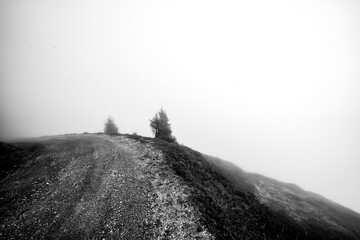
(227,201)
(224,210)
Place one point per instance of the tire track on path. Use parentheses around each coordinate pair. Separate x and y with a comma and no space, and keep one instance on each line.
(80,187)
(96,187)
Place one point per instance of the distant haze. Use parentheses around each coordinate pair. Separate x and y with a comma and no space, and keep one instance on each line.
(273,86)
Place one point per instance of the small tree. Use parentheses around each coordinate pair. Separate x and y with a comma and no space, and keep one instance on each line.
(110,126)
(161,127)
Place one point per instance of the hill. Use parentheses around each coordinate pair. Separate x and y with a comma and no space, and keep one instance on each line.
(94,186)
(316,216)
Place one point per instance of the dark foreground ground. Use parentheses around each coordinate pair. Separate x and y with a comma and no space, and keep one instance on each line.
(76,188)
(127,187)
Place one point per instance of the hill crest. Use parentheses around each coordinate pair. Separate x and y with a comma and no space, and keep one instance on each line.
(97,186)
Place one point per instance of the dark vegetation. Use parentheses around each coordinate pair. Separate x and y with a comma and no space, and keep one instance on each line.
(227,201)
(13,157)
(319,212)
(236,176)
(227,212)
(284,196)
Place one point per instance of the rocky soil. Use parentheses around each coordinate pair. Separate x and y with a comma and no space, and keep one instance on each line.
(94,187)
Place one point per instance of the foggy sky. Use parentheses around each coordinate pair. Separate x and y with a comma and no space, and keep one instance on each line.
(273,86)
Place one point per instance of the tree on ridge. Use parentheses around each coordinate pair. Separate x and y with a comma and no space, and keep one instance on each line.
(161,127)
(110,126)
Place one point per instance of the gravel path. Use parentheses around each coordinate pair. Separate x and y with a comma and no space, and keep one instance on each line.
(79,187)
(95,187)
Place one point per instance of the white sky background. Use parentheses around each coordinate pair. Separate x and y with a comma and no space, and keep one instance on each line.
(273,86)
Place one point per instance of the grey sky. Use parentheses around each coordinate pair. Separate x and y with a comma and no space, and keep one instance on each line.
(273,86)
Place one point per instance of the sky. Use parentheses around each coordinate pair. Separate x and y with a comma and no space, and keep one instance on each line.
(272,86)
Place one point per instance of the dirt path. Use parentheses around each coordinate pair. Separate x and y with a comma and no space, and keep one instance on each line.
(96,187)
(86,187)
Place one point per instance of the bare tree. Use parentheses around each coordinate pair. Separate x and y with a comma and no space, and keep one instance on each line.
(110,126)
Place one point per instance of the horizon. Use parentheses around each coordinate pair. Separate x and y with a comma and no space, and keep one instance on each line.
(273,87)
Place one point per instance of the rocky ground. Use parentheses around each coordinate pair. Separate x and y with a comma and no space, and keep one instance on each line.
(95,187)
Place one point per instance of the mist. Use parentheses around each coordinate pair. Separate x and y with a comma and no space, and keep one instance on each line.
(273,87)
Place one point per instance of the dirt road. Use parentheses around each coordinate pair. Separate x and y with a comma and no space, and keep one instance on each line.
(79,188)
(94,187)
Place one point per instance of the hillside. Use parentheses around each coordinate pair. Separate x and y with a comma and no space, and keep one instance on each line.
(316,216)
(93,186)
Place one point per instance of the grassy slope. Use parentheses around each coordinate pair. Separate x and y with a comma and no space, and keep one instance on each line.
(232,208)
(311,210)
(318,217)
(225,210)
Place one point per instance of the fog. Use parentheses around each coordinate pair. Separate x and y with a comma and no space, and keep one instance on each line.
(273,86)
